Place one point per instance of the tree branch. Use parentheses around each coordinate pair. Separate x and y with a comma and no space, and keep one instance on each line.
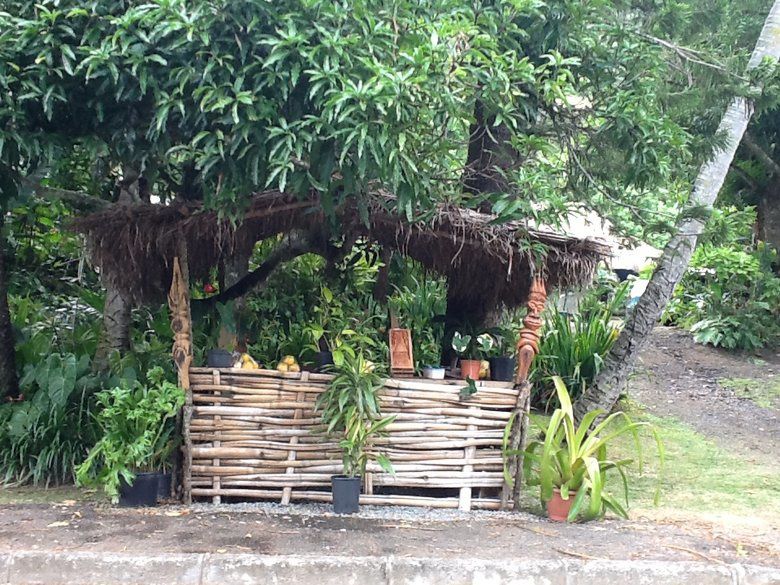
(293,245)
(74,198)
(761,154)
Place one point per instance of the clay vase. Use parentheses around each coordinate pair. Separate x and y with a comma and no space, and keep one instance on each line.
(469,369)
(558,508)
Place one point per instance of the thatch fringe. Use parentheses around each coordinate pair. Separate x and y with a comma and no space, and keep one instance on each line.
(134,246)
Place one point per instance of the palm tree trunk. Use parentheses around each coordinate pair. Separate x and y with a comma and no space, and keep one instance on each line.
(620,361)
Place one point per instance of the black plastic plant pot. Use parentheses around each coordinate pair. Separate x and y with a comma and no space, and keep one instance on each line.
(502,369)
(322,359)
(219,358)
(143,491)
(346,494)
(163,485)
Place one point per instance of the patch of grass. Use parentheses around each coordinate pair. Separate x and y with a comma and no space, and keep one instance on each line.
(699,476)
(699,479)
(40,495)
(765,393)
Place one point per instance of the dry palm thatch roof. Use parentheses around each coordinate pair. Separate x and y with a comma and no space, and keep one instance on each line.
(490,263)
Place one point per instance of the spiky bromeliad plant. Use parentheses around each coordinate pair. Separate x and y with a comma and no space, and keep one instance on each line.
(350,411)
(574,458)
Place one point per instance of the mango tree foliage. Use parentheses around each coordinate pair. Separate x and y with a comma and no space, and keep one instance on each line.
(217,99)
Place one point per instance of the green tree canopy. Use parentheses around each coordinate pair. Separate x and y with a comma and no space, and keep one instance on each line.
(562,100)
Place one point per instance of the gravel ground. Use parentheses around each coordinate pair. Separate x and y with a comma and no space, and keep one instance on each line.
(311,530)
(394,513)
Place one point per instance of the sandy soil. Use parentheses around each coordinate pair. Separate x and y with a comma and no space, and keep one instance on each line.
(679,378)
(308,530)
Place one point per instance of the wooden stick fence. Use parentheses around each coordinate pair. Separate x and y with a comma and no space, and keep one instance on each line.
(254,434)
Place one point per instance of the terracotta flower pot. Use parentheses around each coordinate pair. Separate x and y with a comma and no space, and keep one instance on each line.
(558,508)
(469,369)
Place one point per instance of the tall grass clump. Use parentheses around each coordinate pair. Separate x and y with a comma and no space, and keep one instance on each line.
(573,345)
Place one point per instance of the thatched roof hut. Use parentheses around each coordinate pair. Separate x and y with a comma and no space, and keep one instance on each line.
(491,263)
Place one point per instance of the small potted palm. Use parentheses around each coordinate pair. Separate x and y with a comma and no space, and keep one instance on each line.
(569,463)
(137,440)
(350,411)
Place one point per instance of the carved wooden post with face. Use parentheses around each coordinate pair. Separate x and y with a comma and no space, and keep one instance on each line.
(181,325)
(527,348)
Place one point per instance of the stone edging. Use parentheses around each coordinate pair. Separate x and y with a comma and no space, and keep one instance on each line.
(94,568)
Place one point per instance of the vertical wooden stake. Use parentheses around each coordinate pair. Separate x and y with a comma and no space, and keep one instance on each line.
(216,481)
(464,501)
(291,454)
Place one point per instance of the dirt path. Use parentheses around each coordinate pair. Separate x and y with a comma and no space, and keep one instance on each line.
(680,378)
(311,530)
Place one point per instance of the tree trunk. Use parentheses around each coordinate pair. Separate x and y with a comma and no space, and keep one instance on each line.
(233,269)
(768,209)
(620,361)
(115,336)
(489,156)
(9,381)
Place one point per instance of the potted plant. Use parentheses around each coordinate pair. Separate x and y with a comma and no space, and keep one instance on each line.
(433,372)
(471,349)
(322,330)
(137,439)
(350,412)
(569,463)
(501,356)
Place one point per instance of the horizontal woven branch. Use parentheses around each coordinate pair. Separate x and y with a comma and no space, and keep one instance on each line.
(255,434)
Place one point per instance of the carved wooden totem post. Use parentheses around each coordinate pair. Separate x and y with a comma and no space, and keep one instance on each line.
(527,348)
(181,324)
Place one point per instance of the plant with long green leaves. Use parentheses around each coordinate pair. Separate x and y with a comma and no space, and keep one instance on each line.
(573,459)
(573,346)
(137,424)
(350,411)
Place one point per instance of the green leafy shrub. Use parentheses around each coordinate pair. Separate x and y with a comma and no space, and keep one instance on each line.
(46,435)
(729,297)
(351,413)
(136,432)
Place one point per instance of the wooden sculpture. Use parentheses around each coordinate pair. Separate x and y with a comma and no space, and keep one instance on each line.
(528,344)
(179,303)
(181,325)
(401,356)
(527,348)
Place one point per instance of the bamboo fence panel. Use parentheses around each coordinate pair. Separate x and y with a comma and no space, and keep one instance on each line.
(254,434)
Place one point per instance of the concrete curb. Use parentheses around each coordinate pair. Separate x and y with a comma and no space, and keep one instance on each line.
(84,568)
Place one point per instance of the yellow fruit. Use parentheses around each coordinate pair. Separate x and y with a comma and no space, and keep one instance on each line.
(289,360)
(248,362)
(294,368)
(282,367)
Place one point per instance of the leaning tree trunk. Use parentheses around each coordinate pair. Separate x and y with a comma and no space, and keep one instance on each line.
(620,361)
(9,381)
